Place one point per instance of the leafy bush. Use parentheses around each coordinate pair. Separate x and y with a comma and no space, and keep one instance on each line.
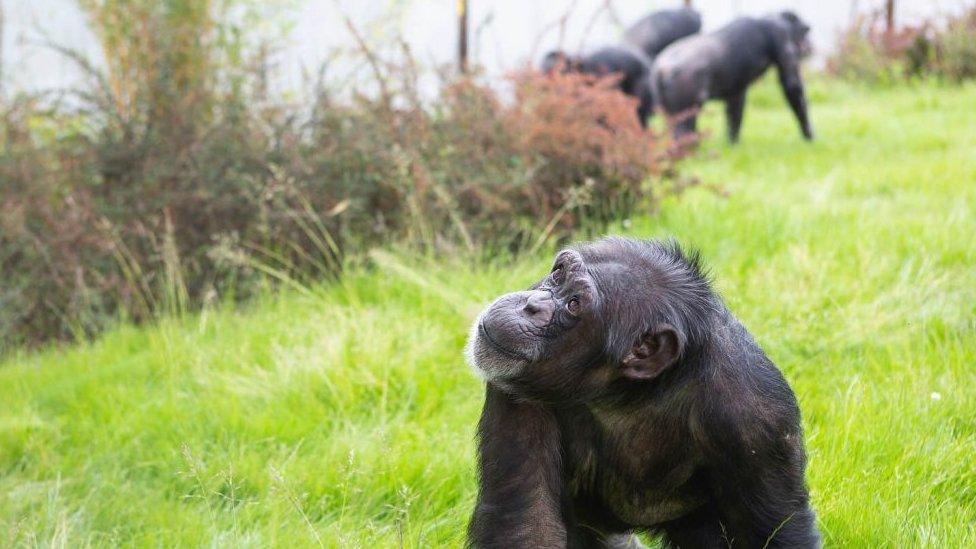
(869,51)
(173,179)
(956,47)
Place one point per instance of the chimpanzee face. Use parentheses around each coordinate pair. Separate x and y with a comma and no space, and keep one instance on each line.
(577,332)
(559,62)
(799,32)
(554,331)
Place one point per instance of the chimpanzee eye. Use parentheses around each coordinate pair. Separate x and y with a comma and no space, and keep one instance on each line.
(558,274)
(573,306)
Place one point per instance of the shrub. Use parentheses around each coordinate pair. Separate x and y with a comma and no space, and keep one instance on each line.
(868,51)
(568,149)
(173,179)
(956,47)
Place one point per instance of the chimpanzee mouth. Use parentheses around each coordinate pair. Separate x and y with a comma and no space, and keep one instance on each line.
(498,347)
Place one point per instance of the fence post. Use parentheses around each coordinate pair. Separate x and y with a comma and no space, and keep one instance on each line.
(2,21)
(462,10)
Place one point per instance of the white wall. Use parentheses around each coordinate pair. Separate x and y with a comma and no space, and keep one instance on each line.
(509,29)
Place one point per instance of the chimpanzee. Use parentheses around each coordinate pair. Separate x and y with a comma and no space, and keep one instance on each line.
(722,65)
(632,66)
(658,30)
(622,396)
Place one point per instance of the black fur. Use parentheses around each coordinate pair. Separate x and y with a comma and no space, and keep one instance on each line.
(722,65)
(578,447)
(658,30)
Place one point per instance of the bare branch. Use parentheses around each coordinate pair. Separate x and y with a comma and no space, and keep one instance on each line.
(603,7)
(559,23)
(371,58)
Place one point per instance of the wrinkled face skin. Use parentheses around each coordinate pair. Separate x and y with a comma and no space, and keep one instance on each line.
(548,342)
(799,33)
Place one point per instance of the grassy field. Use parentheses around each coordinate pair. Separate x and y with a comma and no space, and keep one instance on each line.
(344,417)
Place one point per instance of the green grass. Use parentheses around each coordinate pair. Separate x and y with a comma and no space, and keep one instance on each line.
(346,417)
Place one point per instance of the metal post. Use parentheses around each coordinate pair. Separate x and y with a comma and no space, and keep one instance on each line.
(462,11)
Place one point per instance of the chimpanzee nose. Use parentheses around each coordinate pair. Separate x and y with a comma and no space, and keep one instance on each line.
(539,307)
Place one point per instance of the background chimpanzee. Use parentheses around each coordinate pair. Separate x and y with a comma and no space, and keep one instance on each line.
(623,396)
(722,65)
(658,30)
(632,66)
(632,62)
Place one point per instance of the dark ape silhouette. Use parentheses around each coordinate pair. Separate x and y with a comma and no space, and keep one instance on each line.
(722,65)
(658,30)
(623,395)
(632,61)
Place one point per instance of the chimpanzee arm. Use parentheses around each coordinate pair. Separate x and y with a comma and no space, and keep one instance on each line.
(519,499)
(788,65)
(764,509)
(756,462)
(645,95)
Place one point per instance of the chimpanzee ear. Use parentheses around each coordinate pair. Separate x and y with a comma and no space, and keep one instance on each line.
(654,353)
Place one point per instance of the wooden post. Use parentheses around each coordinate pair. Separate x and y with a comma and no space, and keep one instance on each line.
(687,3)
(1,52)
(462,11)
(890,16)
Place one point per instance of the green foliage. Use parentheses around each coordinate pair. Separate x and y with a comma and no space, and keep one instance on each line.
(870,52)
(160,57)
(957,52)
(343,414)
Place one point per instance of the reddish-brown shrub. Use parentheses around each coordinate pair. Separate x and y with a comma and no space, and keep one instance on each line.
(577,120)
(573,143)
